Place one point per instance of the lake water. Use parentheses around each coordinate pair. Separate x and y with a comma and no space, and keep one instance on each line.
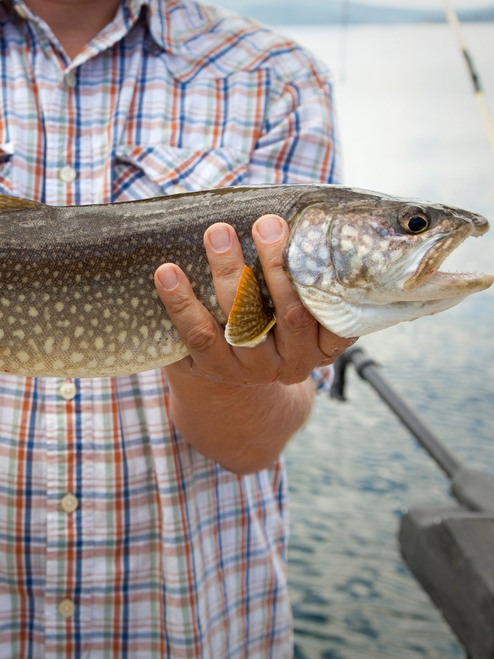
(410,126)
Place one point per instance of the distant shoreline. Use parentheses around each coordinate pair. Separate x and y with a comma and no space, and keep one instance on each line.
(317,12)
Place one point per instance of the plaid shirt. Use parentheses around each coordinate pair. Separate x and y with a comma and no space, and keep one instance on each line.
(116,537)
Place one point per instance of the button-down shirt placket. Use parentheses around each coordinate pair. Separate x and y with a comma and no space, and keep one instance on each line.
(68,599)
(156,550)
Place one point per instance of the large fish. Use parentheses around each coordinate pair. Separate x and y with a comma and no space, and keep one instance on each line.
(76,283)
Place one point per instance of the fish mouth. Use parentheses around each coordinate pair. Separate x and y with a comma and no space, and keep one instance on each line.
(428,282)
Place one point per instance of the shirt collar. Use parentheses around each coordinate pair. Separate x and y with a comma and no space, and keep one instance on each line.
(171,23)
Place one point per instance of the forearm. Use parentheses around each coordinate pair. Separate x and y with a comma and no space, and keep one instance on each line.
(244,428)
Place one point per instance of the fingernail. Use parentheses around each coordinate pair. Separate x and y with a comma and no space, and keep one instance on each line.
(168,277)
(269,228)
(219,237)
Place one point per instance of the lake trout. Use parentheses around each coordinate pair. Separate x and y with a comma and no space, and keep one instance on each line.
(77,297)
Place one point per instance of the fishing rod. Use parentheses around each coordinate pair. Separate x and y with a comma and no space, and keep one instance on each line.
(454,22)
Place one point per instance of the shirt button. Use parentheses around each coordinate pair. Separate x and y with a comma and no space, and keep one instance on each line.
(70,79)
(67,174)
(66,608)
(68,390)
(69,503)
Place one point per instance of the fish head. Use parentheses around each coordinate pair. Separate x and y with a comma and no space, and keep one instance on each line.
(371,261)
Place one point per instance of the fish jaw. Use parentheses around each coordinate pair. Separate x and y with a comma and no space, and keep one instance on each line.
(428,280)
(350,320)
(424,282)
(363,273)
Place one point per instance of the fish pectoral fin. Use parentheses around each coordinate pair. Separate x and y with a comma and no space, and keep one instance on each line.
(250,318)
(9,204)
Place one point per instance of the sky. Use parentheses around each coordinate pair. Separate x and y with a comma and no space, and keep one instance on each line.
(428,4)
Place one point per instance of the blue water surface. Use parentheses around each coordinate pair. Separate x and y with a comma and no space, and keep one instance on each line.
(410,126)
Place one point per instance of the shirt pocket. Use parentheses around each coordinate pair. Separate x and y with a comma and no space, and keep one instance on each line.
(6,153)
(145,171)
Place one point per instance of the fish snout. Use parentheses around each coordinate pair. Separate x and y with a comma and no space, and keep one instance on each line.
(480,224)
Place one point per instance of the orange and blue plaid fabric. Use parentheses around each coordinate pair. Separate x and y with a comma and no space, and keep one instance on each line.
(116,538)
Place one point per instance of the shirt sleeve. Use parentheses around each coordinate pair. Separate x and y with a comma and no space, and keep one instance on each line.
(297,143)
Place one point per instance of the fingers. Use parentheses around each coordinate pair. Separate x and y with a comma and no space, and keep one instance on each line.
(296,330)
(226,261)
(301,341)
(210,355)
(297,344)
(199,331)
(332,345)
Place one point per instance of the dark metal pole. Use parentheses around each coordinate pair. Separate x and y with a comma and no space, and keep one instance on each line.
(367,369)
(471,487)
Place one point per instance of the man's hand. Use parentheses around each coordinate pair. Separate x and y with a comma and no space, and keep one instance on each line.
(239,406)
(295,345)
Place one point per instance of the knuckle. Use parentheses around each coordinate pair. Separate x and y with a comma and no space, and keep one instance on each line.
(226,269)
(273,259)
(179,304)
(297,319)
(201,337)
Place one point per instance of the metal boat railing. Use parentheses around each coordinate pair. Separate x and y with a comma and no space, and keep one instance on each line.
(449,549)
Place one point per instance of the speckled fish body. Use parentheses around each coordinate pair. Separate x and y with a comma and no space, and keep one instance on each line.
(77,296)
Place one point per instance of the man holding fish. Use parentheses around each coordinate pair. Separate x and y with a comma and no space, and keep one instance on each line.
(145,515)
(142,497)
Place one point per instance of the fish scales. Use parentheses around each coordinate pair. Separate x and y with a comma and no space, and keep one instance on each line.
(77,295)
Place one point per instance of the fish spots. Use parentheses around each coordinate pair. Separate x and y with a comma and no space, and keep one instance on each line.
(22,356)
(110,361)
(349,230)
(84,319)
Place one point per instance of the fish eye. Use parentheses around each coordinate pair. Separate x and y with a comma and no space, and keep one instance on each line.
(415,221)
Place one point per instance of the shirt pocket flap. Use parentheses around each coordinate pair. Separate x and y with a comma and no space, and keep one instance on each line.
(173,169)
